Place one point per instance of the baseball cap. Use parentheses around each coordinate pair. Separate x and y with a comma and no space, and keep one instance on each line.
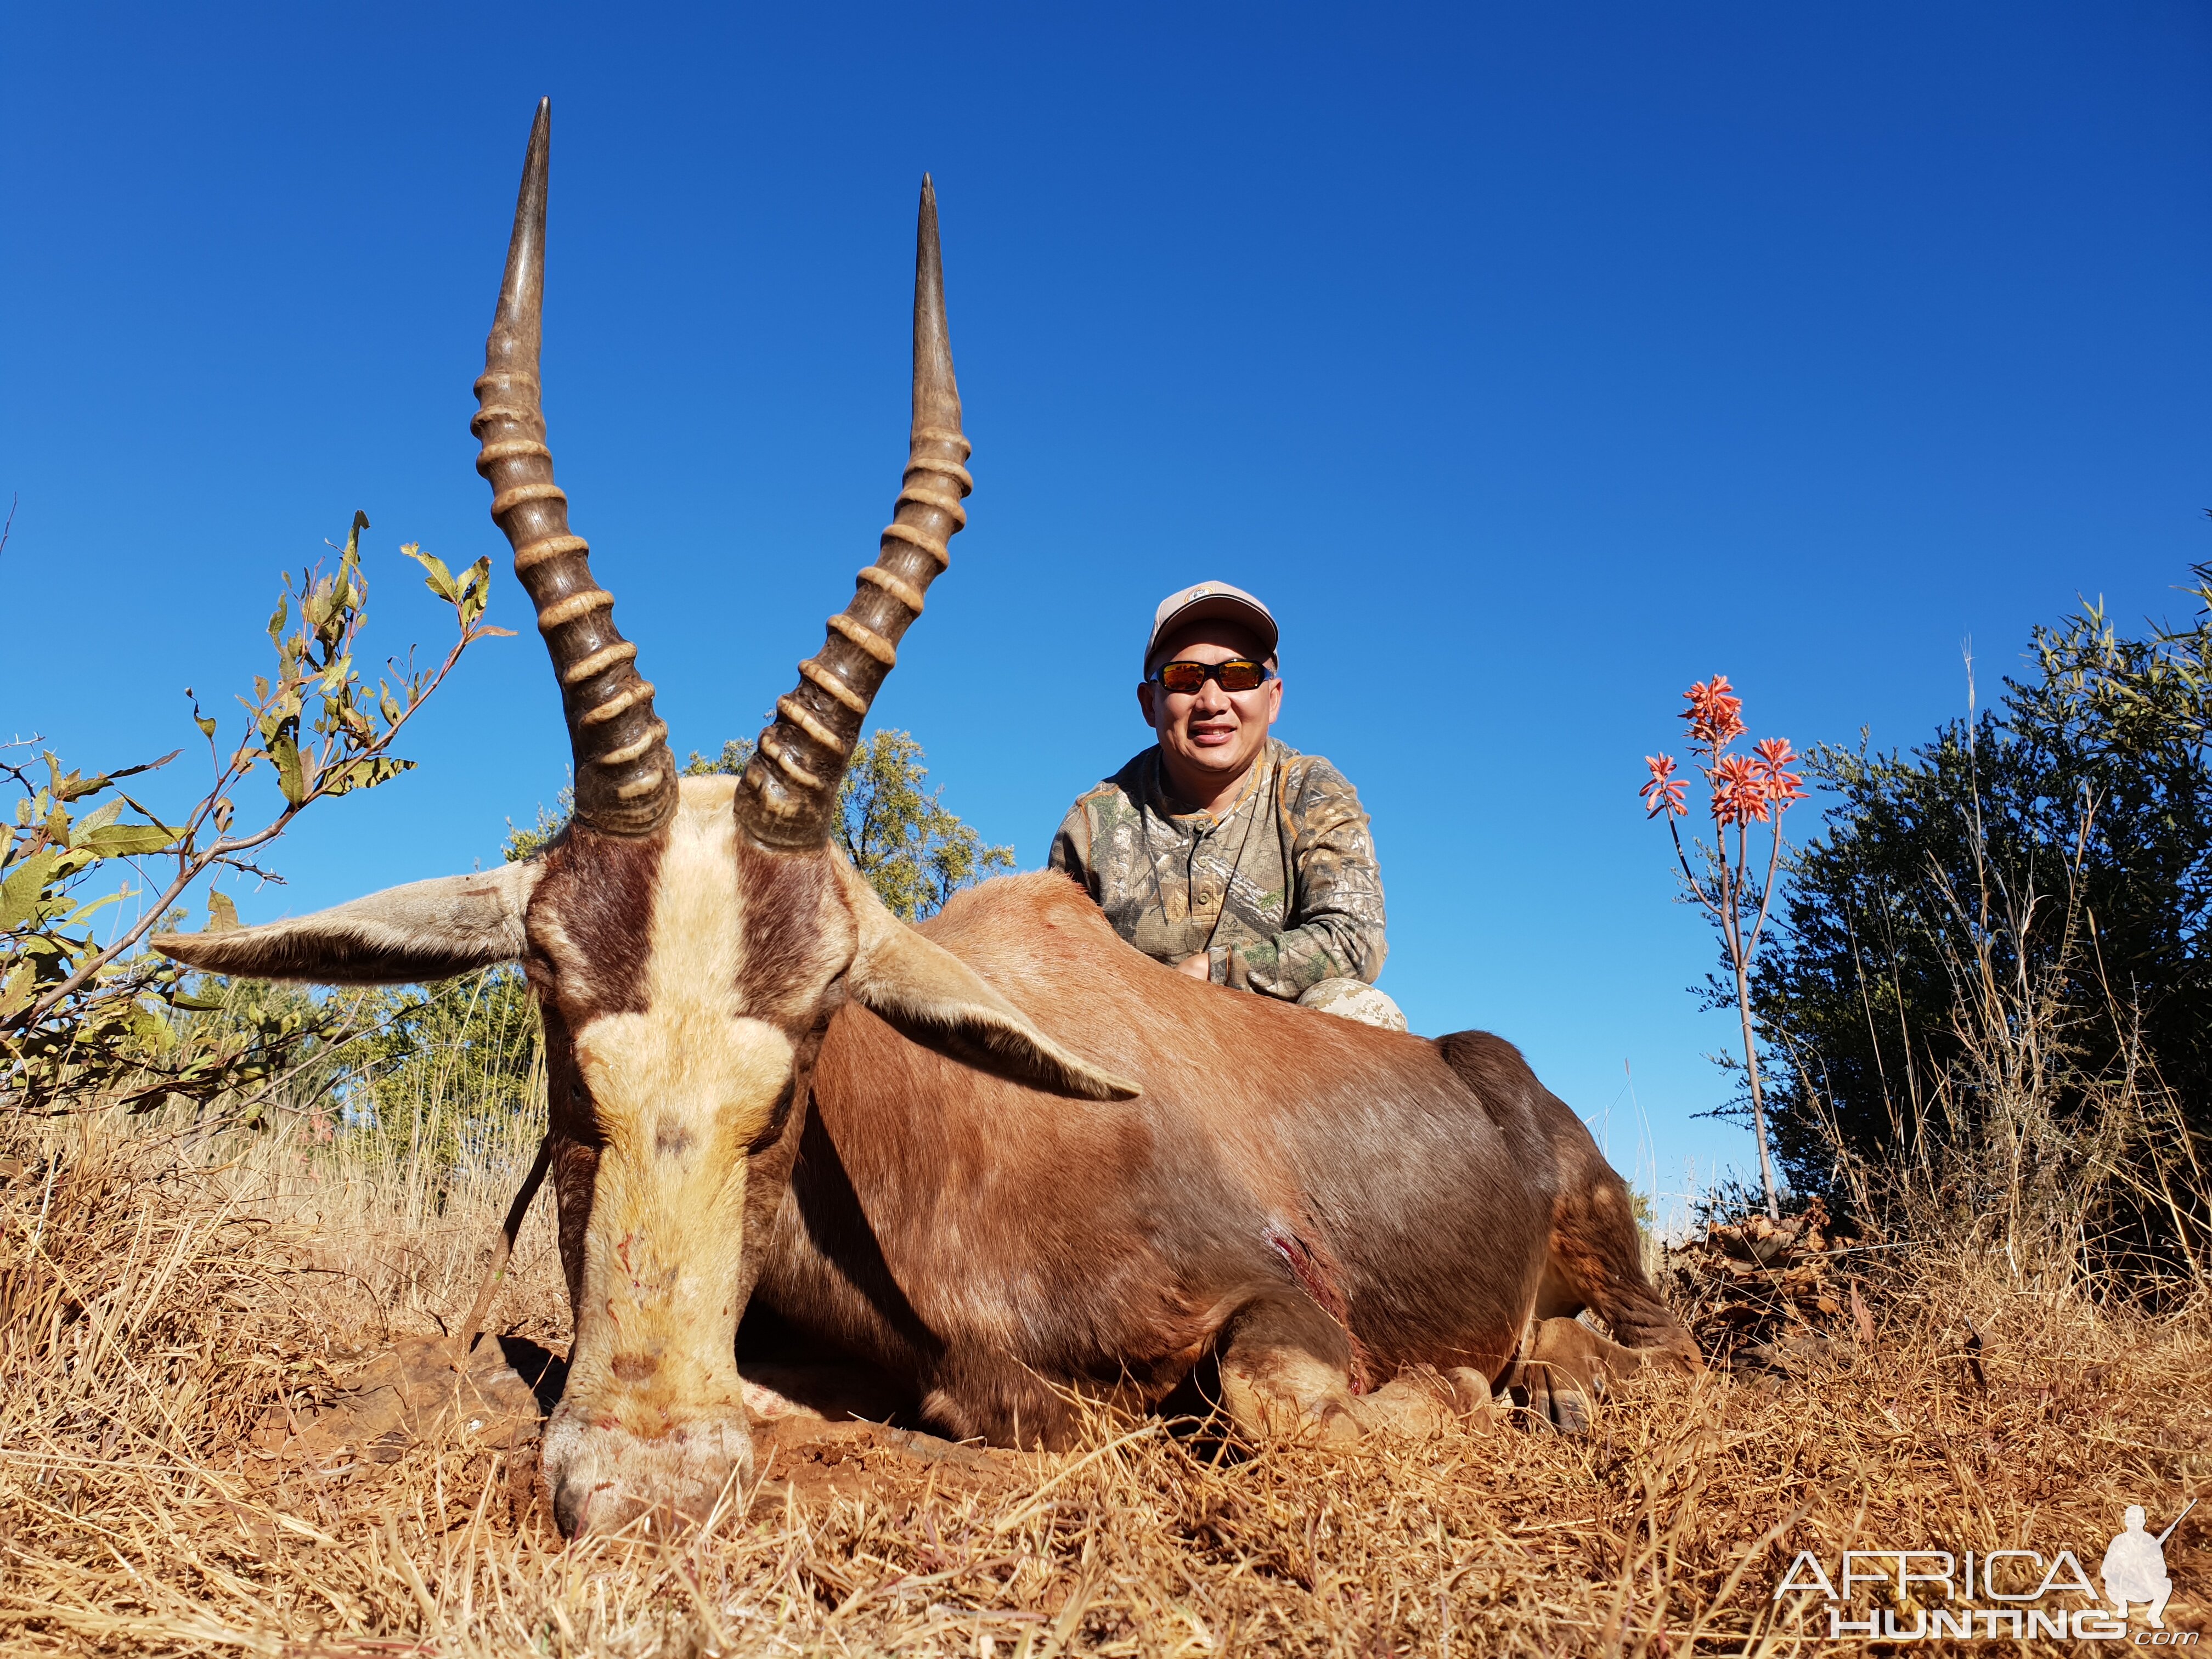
(1204,602)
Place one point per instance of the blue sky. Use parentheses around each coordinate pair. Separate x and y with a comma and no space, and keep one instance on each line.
(1531,361)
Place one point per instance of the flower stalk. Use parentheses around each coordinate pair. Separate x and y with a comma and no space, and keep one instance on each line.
(1743,790)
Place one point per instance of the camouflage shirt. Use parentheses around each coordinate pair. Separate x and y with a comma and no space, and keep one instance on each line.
(1279,892)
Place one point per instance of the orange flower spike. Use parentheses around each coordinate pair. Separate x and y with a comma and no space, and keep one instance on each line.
(1715,712)
(1781,786)
(1739,792)
(1663,794)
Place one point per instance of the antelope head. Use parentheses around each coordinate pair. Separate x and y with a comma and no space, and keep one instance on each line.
(686,941)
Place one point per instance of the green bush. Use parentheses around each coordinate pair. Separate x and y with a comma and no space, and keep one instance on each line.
(1993,975)
(87,1021)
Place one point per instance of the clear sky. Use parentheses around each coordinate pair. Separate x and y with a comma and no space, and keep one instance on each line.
(1531,360)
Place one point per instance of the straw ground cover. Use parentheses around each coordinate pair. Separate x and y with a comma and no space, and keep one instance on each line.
(176,1309)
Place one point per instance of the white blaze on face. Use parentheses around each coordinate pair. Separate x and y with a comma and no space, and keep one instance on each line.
(679,1091)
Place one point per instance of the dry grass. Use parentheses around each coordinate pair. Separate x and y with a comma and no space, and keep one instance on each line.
(161,1297)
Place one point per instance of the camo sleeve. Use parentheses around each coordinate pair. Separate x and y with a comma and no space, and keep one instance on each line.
(1071,848)
(1335,929)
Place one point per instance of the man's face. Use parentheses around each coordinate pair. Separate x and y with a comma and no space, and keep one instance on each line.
(1209,735)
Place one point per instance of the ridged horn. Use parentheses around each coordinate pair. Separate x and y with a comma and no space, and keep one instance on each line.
(625,775)
(788,794)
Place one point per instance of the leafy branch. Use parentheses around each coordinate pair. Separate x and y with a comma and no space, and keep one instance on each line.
(320,730)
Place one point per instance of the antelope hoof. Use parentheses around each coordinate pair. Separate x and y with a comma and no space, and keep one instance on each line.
(1565,1373)
(1557,1404)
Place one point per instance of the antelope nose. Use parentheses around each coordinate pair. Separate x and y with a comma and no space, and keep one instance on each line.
(602,1476)
(572,1507)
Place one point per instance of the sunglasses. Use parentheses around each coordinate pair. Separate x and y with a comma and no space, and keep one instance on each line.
(1237,674)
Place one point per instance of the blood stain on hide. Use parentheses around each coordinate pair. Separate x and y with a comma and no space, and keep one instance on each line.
(1313,1267)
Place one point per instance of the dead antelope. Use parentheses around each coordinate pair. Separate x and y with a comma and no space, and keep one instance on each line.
(1005,1172)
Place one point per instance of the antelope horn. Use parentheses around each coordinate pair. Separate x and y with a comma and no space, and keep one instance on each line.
(788,795)
(625,776)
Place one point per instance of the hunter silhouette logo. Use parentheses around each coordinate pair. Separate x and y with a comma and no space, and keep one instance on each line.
(2135,1566)
(2015,1594)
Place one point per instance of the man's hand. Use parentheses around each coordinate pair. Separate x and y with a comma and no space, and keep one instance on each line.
(1198,967)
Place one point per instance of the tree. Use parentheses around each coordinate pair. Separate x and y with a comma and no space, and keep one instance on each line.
(900,836)
(2013,916)
(914,850)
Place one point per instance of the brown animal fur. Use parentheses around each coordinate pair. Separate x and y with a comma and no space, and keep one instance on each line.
(1295,1193)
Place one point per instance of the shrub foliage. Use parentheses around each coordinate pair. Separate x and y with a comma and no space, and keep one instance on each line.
(1998,946)
(84,1016)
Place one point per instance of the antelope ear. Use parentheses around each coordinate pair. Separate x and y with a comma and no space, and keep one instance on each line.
(931,997)
(426,930)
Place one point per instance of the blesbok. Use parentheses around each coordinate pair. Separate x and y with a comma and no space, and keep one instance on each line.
(1032,1155)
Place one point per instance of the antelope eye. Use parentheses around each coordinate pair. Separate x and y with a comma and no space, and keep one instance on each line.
(779,1115)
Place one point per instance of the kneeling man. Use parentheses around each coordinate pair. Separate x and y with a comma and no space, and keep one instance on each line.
(1220,851)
